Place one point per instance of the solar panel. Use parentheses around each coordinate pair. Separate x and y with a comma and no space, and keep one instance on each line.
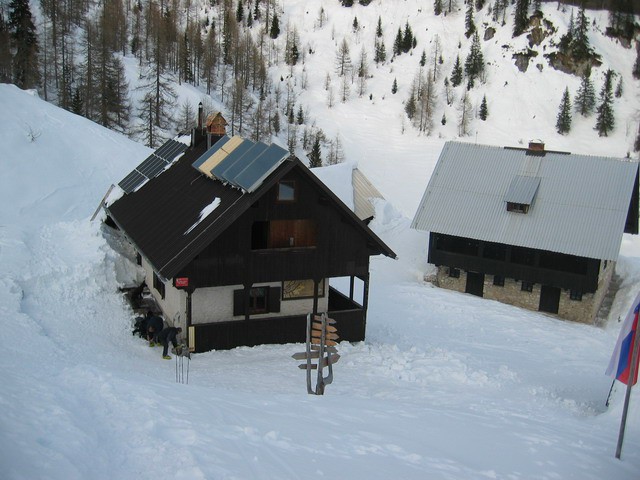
(256,171)
(241,163)
(153,165)
(233,157)
(206,155)
(132,181)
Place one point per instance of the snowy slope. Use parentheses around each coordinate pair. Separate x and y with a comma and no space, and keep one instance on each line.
(447,386)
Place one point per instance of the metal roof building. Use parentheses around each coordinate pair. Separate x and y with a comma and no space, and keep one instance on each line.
(573,204)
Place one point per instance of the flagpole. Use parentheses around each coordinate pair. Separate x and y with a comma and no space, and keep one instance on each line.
(632,376)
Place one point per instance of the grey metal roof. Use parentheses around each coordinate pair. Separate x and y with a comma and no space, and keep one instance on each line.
(522,189)
(580,207)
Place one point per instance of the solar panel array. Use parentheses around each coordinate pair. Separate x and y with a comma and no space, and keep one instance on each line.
(242,163)
(152,165)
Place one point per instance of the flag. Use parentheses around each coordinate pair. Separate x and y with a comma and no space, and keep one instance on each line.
(620,363)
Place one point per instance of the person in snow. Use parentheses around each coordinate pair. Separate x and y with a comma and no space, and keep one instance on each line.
(167,335)
(155,324)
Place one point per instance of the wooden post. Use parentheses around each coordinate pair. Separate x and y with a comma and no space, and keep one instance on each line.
(632,376)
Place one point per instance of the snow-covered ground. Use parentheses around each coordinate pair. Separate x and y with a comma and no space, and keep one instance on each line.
(446,386)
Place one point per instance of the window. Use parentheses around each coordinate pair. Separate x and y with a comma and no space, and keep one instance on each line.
(283,234)
(498,280)
(526,286)
(454,272)
(575,295)
(262,299)
(293,289)
(286,191)
(139,259)
(517,207)
(158,284)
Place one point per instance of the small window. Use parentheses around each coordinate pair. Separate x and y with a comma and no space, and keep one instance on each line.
(258,300)
(158,284)
(575,295)
(526,286)
(139,259)
(454,272)
(517,207)
(261,300)
(286,191)
(498,280)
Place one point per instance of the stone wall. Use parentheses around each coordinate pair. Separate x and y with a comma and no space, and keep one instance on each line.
(583,310)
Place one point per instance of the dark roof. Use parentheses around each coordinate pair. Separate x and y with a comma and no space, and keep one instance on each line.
(162,218)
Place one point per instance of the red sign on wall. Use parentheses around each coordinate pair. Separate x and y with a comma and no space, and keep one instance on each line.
(182,282)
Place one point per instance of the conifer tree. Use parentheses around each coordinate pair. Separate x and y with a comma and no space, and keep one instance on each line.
(585,100)
(474,64)
(605,121)
(456,73)
(423,59)
(25,44)
(636,65)
(484,110)
(274,31)
(5,52)
(315,155)
(520,17)
(397,44)
(437,7)
(563,120)
(580,47)
(619,89)
(300,116)
(408,40)
(469,24)
(379,28)
(394,87)
(239,12)
(636,145)
(380,51)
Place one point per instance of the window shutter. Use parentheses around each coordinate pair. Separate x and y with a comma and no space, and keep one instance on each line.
(274,299)
(238,302)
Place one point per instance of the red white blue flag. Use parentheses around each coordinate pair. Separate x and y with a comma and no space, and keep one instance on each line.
(620,364)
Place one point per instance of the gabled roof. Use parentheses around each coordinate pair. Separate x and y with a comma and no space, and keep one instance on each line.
(174,216)
(579,203)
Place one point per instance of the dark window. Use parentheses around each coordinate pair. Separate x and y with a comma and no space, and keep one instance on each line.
(526,286)
(495,251)
(498,280)
(461,245)
(517,207)
(575,295)
(139,259)
(294,289)
(286,191)
(158,284)
(454,272)
(261,300)
(283,234)
(523,256)
(563,262)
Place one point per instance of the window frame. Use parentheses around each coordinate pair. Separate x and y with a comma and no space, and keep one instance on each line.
(279,193)
(158,284)
(289,294)
(526,286)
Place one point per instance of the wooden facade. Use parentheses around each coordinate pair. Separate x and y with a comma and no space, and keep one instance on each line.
(291,228)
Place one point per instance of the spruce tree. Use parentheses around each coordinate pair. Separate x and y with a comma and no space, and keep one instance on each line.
(239,12)
(274,32)
(469,24)
(580,48)
(520,17)
(474,64)
(300,116)
(397,43)
(379,28)
(25,44)
(636,65)
(456,73)
(408,41)
(5,52)
(484,110)
(563,120)
(394,87)
(423,59)
(315,155)
(437,7)
(585,100)
(605,121)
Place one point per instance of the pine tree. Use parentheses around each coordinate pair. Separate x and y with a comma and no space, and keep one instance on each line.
(437,7)
(274,32)
(520,17)
(410,107)
(275,122)
(636,65)
(408,41)
(563,120)
(379,28)
(397,44)
(394,87)
(300,116)
(474,64)
(315,155)
(585,100)
(580,48)
(380,51)
(5,52)
(25,44)
(456,73)
(423,59)
(605,121)
(239,12)
(469,24)
(484,110)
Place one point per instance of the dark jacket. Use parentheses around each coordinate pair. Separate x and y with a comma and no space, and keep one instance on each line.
(168,335)
(156,323)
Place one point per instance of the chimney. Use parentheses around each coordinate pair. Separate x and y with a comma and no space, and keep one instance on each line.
(200,109)
(536,146)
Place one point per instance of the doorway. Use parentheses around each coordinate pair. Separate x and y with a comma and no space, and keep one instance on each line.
(475,284)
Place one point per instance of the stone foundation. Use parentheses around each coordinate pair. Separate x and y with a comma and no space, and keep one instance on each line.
(583,310)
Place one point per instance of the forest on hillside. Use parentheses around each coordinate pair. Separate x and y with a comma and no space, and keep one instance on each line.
(73,51)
